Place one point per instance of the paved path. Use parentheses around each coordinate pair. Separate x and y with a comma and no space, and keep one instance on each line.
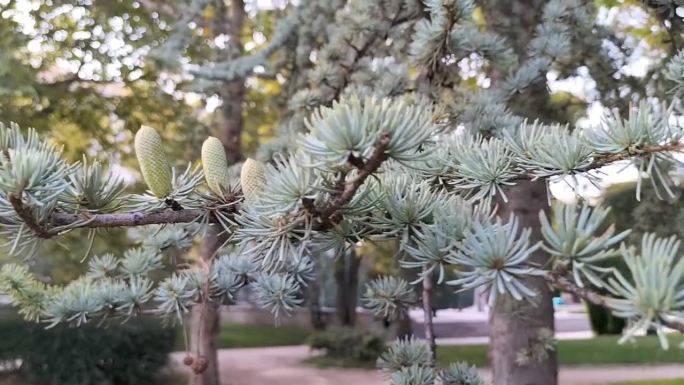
(283,366)
(452,323)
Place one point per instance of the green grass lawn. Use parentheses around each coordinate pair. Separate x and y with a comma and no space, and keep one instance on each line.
(602,350)
(252,336)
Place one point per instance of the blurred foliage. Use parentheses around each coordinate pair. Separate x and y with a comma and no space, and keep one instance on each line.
(349,344)
(125,354)
(261,114)
(81,70)
(651,214)
(566,106)
(64,260)
(380,259)
(603,322)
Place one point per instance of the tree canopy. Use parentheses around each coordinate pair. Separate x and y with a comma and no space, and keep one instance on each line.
(397,120)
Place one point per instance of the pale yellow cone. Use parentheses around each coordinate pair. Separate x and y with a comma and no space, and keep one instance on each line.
(154,165)
(215,164)
(252,179)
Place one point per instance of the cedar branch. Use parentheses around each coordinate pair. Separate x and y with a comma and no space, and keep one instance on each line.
(370,166)
(558,279)
(327,215)
(127,219)
(26,215)
(601,160)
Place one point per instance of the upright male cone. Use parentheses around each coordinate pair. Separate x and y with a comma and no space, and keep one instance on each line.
(155,168)
(252,179)
(215,165)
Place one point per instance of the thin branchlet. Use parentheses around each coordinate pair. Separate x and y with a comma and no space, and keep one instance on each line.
(328,214)
(25,213)
(559,280)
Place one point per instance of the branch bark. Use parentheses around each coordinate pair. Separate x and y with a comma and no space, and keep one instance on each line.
(562,283)
(327,215)
(205,324)
(27,216)
(126,219)
(330,213)
(604,160)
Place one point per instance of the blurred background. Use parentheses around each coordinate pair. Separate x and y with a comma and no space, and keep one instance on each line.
(88,73)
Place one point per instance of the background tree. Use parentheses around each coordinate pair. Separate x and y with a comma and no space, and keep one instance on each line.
(403,122)
(95,55)
(99,54)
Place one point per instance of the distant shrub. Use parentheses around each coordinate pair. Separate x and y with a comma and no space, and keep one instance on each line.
(603,322)
(127,354)
(349,343)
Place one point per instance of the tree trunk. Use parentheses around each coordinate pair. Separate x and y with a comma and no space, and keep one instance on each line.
(316,316)
(233,93)
(403,328)
(399,329)
(347,279)
(515,325)
(427,316)
(233,96)
(205,325)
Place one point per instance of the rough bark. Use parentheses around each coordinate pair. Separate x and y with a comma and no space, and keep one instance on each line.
(347,281)
(514,324)
(205,325)
(233,95)
(428,307)
(402,328)
(316,316)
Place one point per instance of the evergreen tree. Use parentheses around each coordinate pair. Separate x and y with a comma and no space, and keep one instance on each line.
(425,123)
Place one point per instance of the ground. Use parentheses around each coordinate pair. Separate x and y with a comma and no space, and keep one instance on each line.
(601,350)
(462,335)
(284,366)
